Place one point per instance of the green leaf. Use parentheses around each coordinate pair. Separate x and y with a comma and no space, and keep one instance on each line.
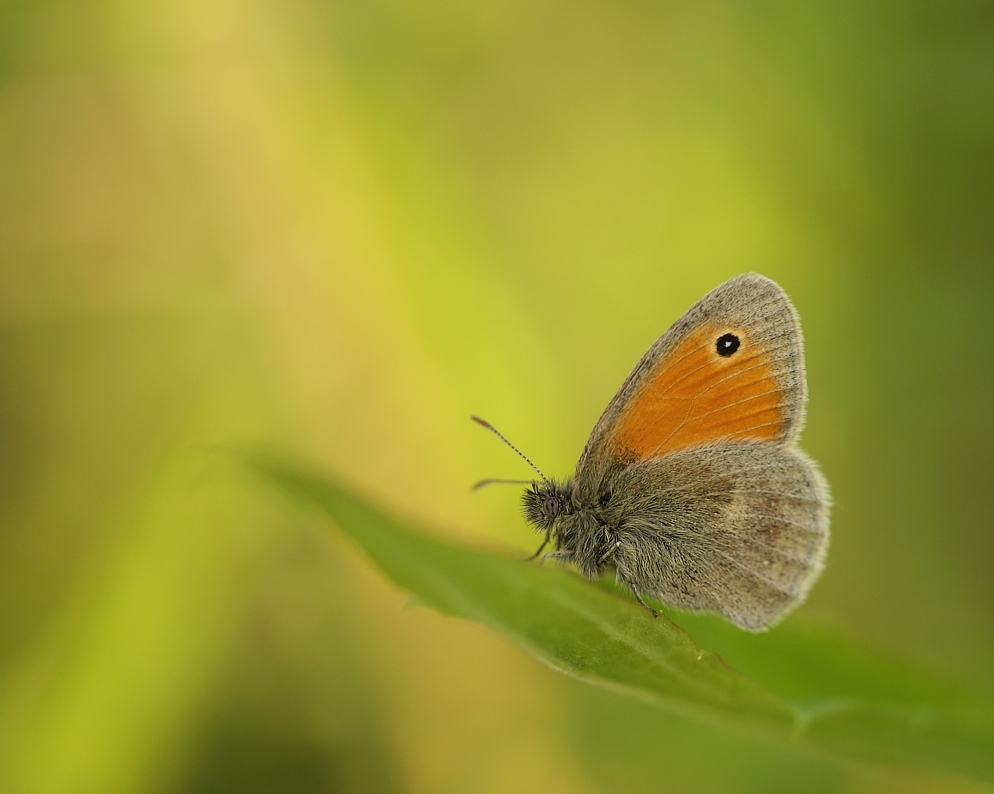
(815,688)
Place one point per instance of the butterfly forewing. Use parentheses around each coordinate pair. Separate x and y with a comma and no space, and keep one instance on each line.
(688,391)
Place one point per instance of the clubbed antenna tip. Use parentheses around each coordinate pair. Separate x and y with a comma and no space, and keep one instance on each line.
(521,454)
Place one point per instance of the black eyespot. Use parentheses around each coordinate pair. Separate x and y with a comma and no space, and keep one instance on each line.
(604,499)
(727,344)
(551,506)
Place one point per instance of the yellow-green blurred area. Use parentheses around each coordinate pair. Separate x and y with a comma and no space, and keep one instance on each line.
(340,228)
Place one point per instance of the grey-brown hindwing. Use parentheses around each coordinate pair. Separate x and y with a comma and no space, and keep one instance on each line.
(738,529)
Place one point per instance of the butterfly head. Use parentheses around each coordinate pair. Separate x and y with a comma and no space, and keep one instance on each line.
(544,502)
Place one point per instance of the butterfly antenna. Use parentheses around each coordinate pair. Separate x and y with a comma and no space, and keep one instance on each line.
(494,481)
(497,433)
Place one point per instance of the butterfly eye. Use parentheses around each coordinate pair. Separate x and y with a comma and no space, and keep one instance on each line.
(551,505)
(727,344)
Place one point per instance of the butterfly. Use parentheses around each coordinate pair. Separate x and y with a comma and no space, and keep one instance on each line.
(691,486)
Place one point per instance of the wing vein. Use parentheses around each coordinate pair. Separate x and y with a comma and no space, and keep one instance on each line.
(756,574)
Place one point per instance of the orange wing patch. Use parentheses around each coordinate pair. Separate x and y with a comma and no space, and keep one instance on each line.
(696,397)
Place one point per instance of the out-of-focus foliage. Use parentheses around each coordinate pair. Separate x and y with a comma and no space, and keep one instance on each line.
(344,227)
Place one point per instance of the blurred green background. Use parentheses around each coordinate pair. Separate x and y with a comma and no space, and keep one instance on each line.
(341,228)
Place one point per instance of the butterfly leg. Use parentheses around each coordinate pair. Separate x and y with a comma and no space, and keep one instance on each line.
(545,543)
(609,552)
(623,579)
(559,555)
(638,598)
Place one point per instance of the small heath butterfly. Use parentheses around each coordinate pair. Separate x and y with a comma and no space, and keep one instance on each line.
(691,485)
